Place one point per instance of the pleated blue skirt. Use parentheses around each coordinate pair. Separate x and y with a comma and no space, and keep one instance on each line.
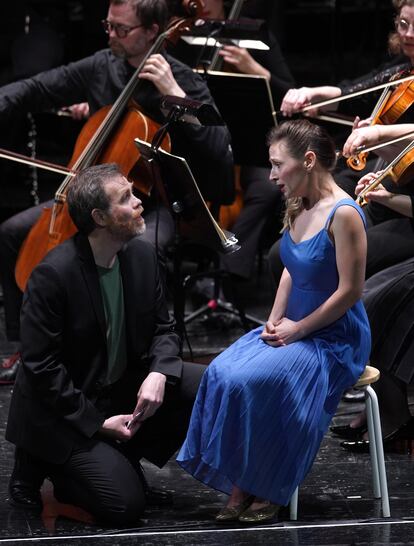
(261,413)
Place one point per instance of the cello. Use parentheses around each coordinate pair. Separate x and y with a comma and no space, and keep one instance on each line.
(107,137)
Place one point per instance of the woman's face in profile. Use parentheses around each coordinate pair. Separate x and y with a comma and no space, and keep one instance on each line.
(288,173)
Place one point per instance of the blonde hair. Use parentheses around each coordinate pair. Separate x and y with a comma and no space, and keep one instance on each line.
(301,136)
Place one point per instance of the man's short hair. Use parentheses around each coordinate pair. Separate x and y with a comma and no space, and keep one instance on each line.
(149,12)
(87,192)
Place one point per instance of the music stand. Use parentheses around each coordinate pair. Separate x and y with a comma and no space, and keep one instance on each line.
(246,33)
(195,222)
(250,124)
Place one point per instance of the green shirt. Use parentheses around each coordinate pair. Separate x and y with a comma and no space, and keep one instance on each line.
(113,300)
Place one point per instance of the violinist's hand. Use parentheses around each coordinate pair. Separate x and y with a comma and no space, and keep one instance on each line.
(296,99)
(241,59)
(158,71)
(150,395)
(358,123)
(379,194)
(283,332)
(115,427)
(362,136)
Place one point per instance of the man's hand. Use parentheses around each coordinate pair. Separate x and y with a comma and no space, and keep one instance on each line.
(150,395)
(78,111)
(116,427)
(158,71)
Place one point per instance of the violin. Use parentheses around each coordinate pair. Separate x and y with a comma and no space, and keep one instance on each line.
(108,136)
(399,170)
(389,108)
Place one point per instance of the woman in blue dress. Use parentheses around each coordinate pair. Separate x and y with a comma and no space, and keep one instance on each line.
(265,403)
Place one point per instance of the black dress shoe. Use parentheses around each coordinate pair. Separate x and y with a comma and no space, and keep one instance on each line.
(399,439)
(348,432)
(153,495)
(24,495)
(26,479)
(8,369)
(158,497)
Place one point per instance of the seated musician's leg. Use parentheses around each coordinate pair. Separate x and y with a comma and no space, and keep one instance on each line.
(261,202)
(12,234)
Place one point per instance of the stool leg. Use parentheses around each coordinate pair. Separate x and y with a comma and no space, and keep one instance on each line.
(293,505)
(372,446)
(380,451)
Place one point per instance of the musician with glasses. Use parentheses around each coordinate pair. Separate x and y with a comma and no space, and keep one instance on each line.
(390,234)
(132,27)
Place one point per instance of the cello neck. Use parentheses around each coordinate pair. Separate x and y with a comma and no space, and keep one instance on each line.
(94,146)
(234,14)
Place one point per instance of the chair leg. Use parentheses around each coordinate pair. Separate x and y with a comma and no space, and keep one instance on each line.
(372,446)
(293,505)
(379,451)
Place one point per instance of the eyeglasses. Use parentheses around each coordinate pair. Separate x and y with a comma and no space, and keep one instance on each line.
(121,31)
(403,26)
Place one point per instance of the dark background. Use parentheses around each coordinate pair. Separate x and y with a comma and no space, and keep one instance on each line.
(324,41)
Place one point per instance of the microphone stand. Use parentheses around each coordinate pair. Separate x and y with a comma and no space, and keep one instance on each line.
(187,110)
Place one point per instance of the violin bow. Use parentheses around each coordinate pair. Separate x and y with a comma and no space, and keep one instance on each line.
(360,199)
(363,148)
(354,94)
(20,158)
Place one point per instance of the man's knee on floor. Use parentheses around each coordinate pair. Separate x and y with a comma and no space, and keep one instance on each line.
(120,510)
(116,503)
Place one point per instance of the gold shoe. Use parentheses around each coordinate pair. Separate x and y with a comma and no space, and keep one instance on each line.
(233,513)
(265,513)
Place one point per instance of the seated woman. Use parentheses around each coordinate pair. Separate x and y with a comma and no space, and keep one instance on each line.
(265,403)
(389,300)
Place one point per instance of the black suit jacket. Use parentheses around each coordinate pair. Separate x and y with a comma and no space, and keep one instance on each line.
(54,402)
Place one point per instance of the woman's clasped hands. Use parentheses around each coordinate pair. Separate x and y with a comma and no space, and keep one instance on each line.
(282,332)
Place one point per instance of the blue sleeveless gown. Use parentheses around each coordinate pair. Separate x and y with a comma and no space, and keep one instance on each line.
(261,411)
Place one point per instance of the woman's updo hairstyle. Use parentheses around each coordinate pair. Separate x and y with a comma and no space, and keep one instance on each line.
(301,136)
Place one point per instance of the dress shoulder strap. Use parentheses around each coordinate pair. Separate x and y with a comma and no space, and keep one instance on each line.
(349,202)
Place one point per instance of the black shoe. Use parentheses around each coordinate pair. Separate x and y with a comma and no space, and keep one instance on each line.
(348,432)
(158,497)
(153,495)
(8,369)
(24,495)
(25,482)
(398,439)
(353,395)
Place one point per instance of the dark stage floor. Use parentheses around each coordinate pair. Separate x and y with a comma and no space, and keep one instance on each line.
(335,501)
